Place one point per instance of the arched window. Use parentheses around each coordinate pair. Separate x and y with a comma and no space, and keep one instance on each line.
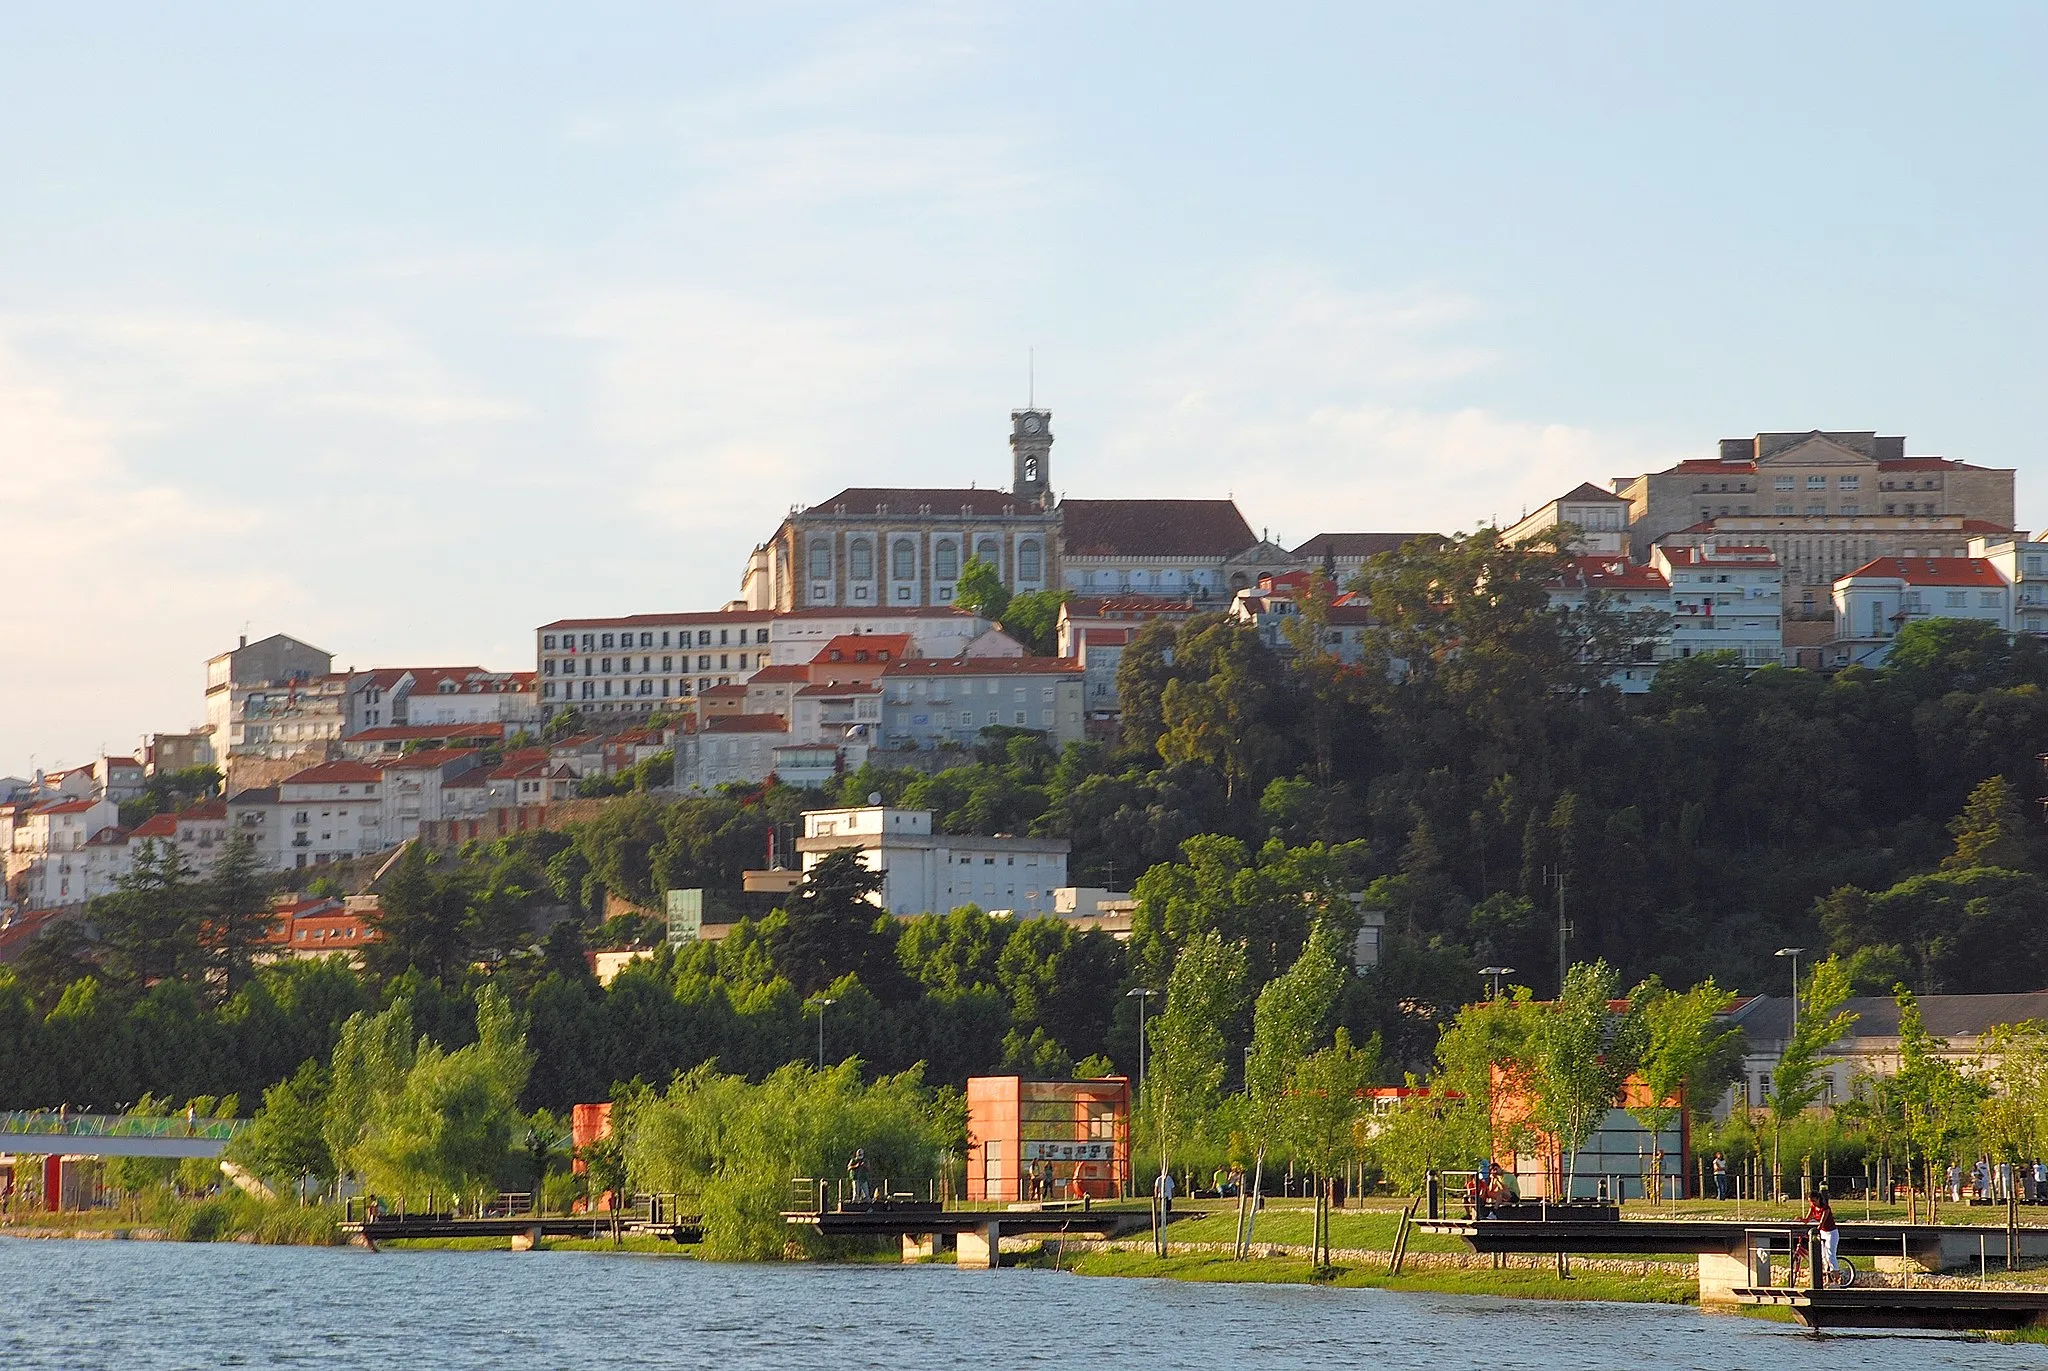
(991,552)
(1028,567)
(946,559)
(860,560)
(821,560)
(903,560)
(1030,471)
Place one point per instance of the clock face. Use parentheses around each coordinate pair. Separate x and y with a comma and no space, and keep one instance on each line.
(1031,423)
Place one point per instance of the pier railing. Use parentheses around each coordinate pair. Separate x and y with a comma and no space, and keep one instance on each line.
(60,1124)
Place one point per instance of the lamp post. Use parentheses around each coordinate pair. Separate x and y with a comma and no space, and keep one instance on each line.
(821,1001)
(1493,975)
(1793,953)
(1141,994)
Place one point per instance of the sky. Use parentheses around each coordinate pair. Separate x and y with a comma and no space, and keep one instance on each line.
(404,329)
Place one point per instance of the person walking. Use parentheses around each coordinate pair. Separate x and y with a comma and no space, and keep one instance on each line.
(1720,1176)
(1955,1182)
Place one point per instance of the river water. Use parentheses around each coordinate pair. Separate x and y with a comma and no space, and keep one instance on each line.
(140,1306)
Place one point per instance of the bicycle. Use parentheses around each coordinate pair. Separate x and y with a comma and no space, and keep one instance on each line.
(1843,1276)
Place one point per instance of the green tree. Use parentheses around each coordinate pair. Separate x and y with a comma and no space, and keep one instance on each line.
(1033,619)
(1206,990)
(1801,1075)
(239,919)
(287,1139)
(1580,1053)
(1681,1042)
(1993,830)
(1328,1106)
(1288,1020)
(423,916)
(1939,1102)
(980,590)
(830,928)
(149,925)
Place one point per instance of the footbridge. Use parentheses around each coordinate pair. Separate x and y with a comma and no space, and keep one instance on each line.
(57,1132)
(976,1232)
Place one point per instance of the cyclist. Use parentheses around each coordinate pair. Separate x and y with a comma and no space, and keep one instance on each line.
(1821,1215)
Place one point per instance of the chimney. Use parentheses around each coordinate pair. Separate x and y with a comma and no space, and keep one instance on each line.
(244,641)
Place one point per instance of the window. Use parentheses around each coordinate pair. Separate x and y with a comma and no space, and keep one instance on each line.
(1816,511)
(1816,483)
(548,641)
(647,640)
(1849,482)
(1851,511)
(668,664)
(548,667)
(606,666)
(820,559)
(1029,567)
(1955,599)
(903,560)
(589,641)
(860,560)
(607,640)
(946,559)
(1988,599)
(1783,483)
(1781,508)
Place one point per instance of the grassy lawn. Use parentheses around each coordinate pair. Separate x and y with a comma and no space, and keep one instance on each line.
(1519,1283)
(1291,1222)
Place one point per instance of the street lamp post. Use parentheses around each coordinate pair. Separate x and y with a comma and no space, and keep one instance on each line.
(1141,994)
(1793,953)
(821,1001)
(1493,975)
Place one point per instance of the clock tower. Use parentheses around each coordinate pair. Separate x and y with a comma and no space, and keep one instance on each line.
(1031,455)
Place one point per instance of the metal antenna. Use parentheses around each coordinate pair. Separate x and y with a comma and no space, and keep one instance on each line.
(1031,378)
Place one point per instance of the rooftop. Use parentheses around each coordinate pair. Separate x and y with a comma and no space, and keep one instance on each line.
(1154,528)
(1933,571)
(883,500)
(982,666)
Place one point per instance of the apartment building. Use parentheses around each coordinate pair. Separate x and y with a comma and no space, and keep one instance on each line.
(926,872)
(1600,517)
(273,699)
(443,696)
(640,663)
(947,702)
(1615,583)
(325,813)
(1724,597)
(2023,565)
(795,637)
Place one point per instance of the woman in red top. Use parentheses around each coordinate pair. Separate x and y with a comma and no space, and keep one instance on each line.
(1822,1217)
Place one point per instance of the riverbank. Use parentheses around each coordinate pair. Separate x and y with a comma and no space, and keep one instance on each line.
(1594,1279)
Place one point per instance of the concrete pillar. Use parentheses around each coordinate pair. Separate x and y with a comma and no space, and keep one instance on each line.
(1721,1275)
(981,1249)
(528,1240)
(918,1246)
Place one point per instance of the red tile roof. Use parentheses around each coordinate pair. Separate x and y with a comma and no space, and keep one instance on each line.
(1106,637)
(332,773)
(430,758)
(904,612)
(775,675)
(723,692)
(869,647)
(746,723)
(1359,544)
(839,688)
(419,733)
(1585,491)
(982,666)
(1934,571)
(751,618)
(1155,528)
(1609,573)
(156,826)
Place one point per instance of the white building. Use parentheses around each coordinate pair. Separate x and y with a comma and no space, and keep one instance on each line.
(1873,602)
(639,663)
(931,702)
(1617,584)
(923,872)
(2024,566)
(795,637)
(62,851)
(1725,597)
(273,699)
(730,749)
(1600,517)
(418,788)
(441,696)
(325,813)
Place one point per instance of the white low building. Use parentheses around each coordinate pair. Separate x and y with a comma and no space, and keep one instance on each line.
(925,872)
(1875,601)
(1725,597)
(2023,563)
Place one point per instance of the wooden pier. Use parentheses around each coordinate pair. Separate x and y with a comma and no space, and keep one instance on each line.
(977,1233)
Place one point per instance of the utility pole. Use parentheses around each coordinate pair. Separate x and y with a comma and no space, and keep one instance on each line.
(1555,876)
